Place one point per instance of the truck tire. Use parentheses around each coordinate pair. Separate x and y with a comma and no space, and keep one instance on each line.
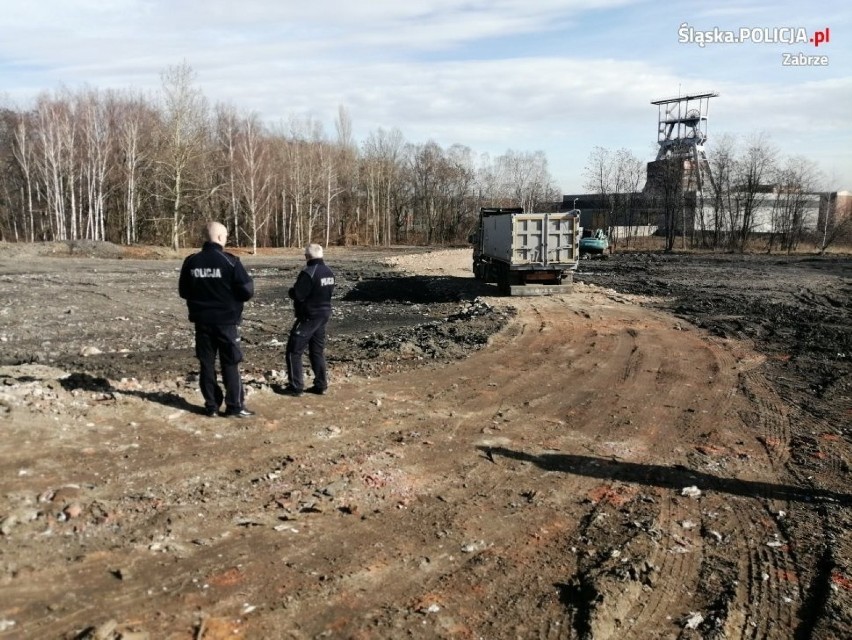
(504,285)
(478,271)
(489,273)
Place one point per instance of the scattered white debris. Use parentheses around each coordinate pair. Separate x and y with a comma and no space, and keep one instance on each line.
(691,492)
(694,620)
(473,547)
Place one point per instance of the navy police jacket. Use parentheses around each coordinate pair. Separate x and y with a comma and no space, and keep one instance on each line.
(215,284)
(311,295)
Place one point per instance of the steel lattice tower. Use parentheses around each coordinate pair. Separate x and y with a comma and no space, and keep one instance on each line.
(681,134)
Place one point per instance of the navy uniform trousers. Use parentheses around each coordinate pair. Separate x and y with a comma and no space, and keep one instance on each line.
(222,340)
(307,334)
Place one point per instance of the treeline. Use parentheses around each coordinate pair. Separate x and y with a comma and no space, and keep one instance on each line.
(743,191)
(754,186)
(123,167)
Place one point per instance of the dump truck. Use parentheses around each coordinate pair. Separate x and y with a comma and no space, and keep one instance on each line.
(526,253)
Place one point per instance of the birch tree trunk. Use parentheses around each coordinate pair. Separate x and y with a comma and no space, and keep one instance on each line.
(185,130)
(23,154)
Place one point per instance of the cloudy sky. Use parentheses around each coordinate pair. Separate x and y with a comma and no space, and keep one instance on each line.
(560,76)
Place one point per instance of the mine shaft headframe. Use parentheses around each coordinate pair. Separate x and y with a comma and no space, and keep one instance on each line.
(682,123)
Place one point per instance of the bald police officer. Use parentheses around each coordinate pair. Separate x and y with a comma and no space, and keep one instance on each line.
(215,285)
(311,296)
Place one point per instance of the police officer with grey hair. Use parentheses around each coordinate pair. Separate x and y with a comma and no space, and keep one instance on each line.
(311,296)
(215,285)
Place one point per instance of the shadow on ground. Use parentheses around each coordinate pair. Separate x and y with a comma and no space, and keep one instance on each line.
(87,382)
(417,289)
(667,477)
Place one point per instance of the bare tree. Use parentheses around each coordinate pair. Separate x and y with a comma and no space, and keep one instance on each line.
(626,174)
(525,177)
(457,182)
(835,219)
(304,178)
(424,175)
(95,159)
(753,174)
(599,179)
(255,176)
(13,185)
(226,138)
(279,149)
(23,153)
(382,165)
(345,175)
(488,193)
(56,138)
(671,193)
(722,162)
(796,183)
(328,161)
(184,131)
(136,122)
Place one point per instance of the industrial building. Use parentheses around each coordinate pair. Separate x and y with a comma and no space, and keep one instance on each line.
(679,190)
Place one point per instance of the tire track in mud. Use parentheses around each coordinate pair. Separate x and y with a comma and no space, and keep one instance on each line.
(684,563)
(813,452)
(795,580)
(609,347)
(669,559)
(759,591)
(544,557)
(767,416)
(537,396)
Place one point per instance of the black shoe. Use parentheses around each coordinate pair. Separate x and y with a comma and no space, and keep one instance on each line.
(240,413)
(211,413)
(316,390)
(291,391)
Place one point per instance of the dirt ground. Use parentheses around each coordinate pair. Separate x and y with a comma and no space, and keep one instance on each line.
(663,453)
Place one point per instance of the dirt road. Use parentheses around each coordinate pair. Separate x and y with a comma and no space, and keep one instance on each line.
(592,465)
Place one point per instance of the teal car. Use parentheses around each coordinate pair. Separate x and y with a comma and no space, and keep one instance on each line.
(594,244)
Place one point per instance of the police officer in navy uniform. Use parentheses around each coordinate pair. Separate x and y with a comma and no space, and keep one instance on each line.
(215,285)
(311,296)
